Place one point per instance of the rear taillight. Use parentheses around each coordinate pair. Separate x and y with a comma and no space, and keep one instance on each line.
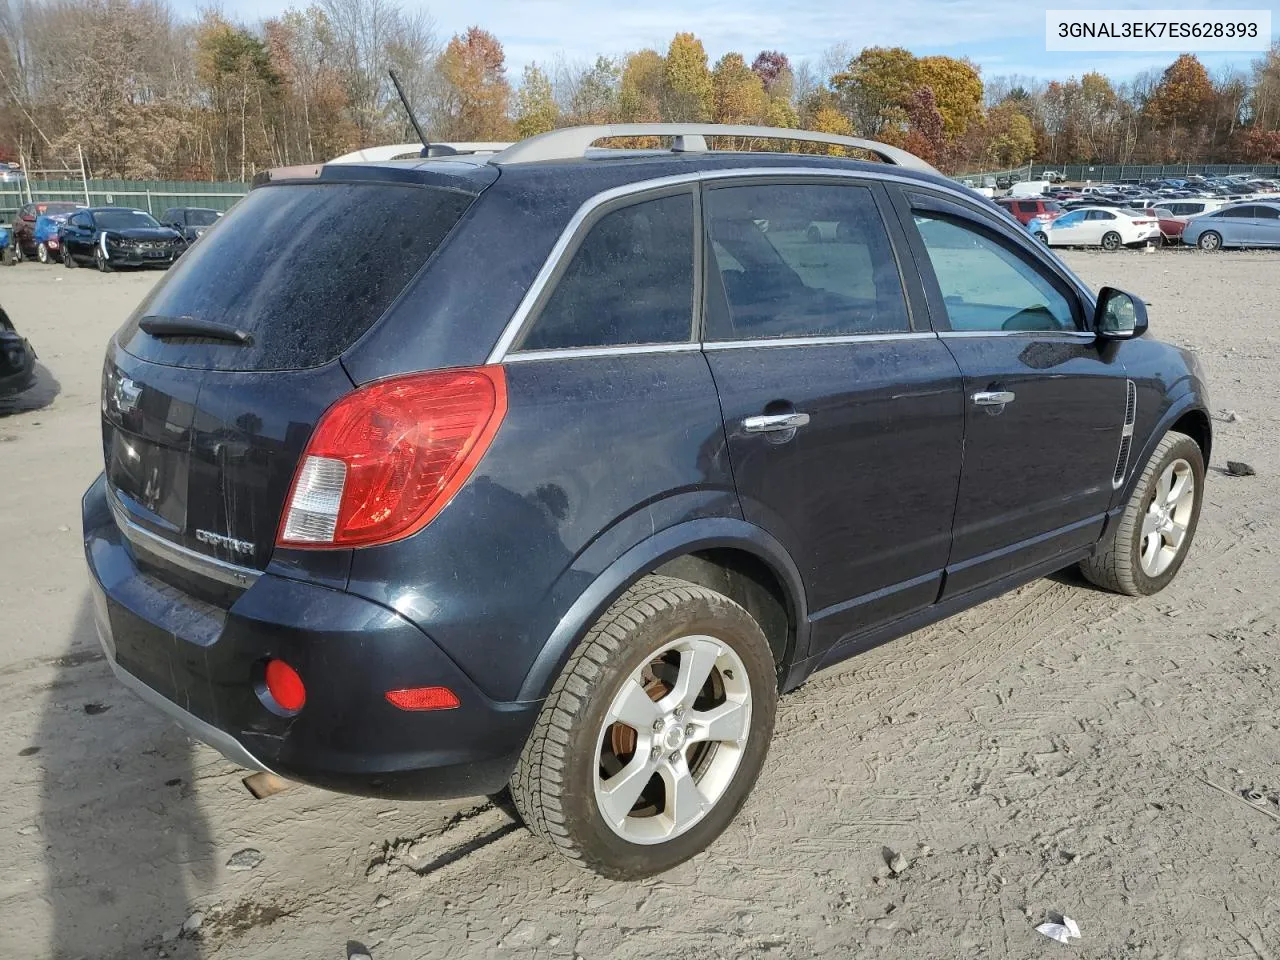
(385,459)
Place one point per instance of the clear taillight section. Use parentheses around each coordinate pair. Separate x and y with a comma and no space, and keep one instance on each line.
(385,459)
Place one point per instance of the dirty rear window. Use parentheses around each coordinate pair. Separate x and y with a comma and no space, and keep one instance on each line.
(305,269)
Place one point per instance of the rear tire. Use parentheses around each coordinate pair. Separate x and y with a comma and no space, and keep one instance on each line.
(42,253)
(1210,241)
(629,699)
(1042,237)
(1136,557)
(1111,241)
(68,260)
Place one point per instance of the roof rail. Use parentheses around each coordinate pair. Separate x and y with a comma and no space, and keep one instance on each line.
(401,150)
(571,143)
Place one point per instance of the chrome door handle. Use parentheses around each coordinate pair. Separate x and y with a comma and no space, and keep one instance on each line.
(993,398)
(771,422)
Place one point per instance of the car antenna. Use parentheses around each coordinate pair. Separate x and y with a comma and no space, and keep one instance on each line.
(427,149)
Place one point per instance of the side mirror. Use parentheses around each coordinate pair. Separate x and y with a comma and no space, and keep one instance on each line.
(1119,315)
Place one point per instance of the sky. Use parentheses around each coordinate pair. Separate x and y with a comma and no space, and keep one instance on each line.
(1002,36)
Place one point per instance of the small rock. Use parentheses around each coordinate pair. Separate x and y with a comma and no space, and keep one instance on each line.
(171,934)
(193,923)
(63,528)
(925,850)
(28,830)
(898,864)
(245,859)
(28,751)
(553,941)
(1238,468)
(381,902)
(1230,416)
(174,782)
(93,709)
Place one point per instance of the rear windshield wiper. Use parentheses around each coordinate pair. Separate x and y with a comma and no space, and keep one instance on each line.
(193,327)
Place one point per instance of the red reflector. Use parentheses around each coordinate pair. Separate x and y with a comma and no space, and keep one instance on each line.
(285,686)
(423,698)
(407,444)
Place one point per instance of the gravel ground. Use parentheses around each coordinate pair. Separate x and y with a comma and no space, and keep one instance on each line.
(1056,751)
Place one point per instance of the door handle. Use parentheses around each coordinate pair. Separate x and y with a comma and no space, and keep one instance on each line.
(768,423)
(993,398)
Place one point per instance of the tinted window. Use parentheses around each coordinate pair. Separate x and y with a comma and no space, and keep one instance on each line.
(799,260)
(123,219)
(81,220)
(1101,215)
(1266,213)
(295,265)
(1240,212)
(1071,219)
(1027,206)
(201,218)
(985,285)
(630,281)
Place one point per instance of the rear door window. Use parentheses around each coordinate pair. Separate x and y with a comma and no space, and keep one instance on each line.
(304,269)
(630,282)
(801,260)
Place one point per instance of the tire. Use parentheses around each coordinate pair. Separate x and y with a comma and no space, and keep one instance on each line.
(42,253)
(18,255)
(1121,564)
(68,260)
(1210,241)
(100,261)
(557,784)
(1042,237)
(1111,241)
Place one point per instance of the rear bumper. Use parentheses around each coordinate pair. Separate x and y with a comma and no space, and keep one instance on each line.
(17,364)
(201,665)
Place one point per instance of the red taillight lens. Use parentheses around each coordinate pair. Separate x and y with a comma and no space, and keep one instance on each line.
(385,459)
(423,698)
(285,686)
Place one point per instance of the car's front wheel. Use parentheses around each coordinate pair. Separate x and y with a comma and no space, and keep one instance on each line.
(68,260)
(42,252)
(100,260)
(653,734)
(1146,546)
(1111,240)
(1042,237)
(1210,240)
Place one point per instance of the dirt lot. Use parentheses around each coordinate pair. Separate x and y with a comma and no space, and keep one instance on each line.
(1057,751)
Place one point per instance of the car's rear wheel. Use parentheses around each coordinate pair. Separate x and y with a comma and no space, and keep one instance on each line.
(42,252)
(1147,545)
(18,255)
(1210,240)
(653,734)
(1042,236)
(1111,240)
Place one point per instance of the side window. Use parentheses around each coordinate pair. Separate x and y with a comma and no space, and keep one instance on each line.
(630,282)
(985,285)
(1101,215)
(80,220)
(801,260)
(1237,212)
(1266,213)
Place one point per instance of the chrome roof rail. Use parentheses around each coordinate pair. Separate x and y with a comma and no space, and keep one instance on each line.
(414,150)
(572,143)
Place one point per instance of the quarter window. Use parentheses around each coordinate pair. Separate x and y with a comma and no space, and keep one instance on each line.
(630,282)
(985,285)
(1266,213)
(801,260)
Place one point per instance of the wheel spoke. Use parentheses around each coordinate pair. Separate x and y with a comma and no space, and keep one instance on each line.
(684,800)
(726,723)
(1151,550)
(696,662)
(1174,535)
(619,793)
(1163,485)
(1178,488)
(634,707)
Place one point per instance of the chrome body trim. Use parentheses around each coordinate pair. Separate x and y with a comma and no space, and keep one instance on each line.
(180,556)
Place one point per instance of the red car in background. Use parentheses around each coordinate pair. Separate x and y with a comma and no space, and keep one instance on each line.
(1024,210)
(24,224)
(1171,225)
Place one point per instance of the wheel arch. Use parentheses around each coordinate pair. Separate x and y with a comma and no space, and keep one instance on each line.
(724,554)
(1187,415)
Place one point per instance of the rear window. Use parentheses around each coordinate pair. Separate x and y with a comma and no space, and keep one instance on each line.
(305,269)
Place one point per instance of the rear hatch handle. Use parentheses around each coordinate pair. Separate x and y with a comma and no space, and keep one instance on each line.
(193,327)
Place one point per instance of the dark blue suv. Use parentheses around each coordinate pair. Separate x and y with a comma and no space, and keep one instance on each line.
(597,451)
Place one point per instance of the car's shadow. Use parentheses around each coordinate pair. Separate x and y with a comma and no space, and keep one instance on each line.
(43,391)
(125,843)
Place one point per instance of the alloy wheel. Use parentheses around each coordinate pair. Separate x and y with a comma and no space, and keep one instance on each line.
(1168,517)
(672,740)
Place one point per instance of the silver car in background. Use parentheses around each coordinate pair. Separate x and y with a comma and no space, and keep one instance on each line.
(1255,224)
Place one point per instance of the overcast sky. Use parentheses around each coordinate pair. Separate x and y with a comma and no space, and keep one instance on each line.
(1001,36)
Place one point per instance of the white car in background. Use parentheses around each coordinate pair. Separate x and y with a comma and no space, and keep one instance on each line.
(1107,227)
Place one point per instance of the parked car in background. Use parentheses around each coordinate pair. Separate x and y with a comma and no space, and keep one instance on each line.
(11,173)
(24,223)
(111,237)
(1192,207)
(1110,228)
(1053,176)
(372,521)
(1239,225)
(48,238)
(1029,188)
(191,222)
(17,359)
(1171,225)
(1024,211)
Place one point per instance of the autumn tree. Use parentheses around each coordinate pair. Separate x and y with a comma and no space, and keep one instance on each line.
(474,68)
(689,91)
(957,92)
(774,70)
(926,128)
(643,87)
(535,104)
(876,87)
(1010,140)
(738,92)
(589,94)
